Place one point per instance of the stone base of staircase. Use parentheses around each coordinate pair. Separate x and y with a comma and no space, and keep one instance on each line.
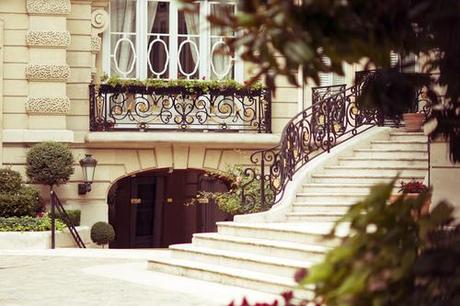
(265,256)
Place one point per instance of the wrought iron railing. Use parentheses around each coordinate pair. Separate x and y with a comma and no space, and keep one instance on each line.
(140,108)
(333,118)
(56,204)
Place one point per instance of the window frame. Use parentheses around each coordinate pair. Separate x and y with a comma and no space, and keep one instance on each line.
(141,45)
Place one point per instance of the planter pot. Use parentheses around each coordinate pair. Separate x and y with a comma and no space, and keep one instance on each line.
(413,121)
(425,209)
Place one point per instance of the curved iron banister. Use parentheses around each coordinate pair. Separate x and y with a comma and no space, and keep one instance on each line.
(332,119)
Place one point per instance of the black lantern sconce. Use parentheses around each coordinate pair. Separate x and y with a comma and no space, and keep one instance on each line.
(88,165)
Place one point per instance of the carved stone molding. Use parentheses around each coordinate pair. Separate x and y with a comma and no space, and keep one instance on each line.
(99,21)
(47,72)
(96,43)
(48,105)
(48,7)
(49,39)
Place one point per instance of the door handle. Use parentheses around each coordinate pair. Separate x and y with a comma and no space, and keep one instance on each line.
(136,201)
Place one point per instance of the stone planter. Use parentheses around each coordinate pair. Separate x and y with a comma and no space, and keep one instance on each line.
(425,210)
(413,121)
(40,240)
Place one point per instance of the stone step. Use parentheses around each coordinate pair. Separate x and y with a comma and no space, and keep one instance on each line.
(264,282)
(250,262)
(290,232)
(328,216)
(417,136)
(336,188)
(370,170)
(281,249)
(329,199)
(353,178)
(400,145)
(390,153)
(382,162)
(319,209)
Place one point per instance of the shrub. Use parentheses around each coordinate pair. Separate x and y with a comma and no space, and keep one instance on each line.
(25,201)
(49,163)
(102,233)
(28,224)
(10,180)
(74,215)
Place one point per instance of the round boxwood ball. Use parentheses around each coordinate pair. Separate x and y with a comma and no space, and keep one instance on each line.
(102,233)
(49,163)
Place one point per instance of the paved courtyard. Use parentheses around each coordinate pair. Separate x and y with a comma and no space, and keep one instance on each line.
(68,277)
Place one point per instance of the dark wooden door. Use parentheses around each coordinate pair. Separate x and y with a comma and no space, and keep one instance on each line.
(143,194)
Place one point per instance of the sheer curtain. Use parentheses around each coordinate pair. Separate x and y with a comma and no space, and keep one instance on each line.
(193,28)
(123,19)
(220,60)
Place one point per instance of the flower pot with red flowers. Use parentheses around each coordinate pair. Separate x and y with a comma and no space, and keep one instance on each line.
(412,190)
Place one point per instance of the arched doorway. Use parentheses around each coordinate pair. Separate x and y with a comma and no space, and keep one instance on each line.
(147,209)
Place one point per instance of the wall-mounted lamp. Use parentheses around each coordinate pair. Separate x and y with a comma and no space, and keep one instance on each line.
(88,165)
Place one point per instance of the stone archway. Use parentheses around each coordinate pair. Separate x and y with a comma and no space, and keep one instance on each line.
(147,209)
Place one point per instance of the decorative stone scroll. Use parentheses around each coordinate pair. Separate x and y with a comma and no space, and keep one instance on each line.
(99,21)
(48,7)
(48,39)
(48,105)
(47,72)
(96,43)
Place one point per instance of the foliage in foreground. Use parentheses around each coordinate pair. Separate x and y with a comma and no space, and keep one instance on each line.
(17,199)
(49,163)
(231,200)
(393,255)
(28,224)
(304,33)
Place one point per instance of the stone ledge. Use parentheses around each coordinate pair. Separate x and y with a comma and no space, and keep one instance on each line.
(150,139)
(35,136)
(47,72)
(48,7)
(48,39)
(48,105)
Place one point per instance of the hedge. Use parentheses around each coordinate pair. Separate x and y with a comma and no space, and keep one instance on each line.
(28,224)
(23,202)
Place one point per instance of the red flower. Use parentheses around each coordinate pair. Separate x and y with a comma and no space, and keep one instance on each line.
(300,275)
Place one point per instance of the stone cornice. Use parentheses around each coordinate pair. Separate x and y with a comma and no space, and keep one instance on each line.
(48,39)
(47,72)
(48,7)
(48,105)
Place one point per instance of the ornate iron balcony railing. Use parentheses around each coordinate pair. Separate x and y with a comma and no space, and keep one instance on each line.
(140,108)
(333,118)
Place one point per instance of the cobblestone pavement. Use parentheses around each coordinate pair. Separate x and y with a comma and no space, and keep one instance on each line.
(37,280)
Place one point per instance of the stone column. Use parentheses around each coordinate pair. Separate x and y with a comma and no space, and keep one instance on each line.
(1,90)
(47,71)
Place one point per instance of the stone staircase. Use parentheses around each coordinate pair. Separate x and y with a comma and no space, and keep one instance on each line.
(265,256)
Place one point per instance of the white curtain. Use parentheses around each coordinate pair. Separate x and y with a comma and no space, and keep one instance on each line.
(193,28)
(123,19)
(219,59)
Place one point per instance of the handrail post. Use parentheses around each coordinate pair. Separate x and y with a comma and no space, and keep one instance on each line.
(53,220)
(262,181)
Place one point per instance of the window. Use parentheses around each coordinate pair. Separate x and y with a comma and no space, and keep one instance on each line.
(330,79)
(153,39)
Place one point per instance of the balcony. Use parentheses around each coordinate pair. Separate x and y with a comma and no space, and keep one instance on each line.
(189,106)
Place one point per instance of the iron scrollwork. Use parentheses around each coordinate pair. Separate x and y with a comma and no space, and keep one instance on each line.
(333,118)
(142,108)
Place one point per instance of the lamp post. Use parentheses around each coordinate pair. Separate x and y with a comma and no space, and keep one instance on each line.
(88,165)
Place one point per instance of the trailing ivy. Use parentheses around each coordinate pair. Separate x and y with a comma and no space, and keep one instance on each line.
(192,86)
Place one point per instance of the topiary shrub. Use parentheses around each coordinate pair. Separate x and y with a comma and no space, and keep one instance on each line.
(102,233)
(49,163)
(10,180)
